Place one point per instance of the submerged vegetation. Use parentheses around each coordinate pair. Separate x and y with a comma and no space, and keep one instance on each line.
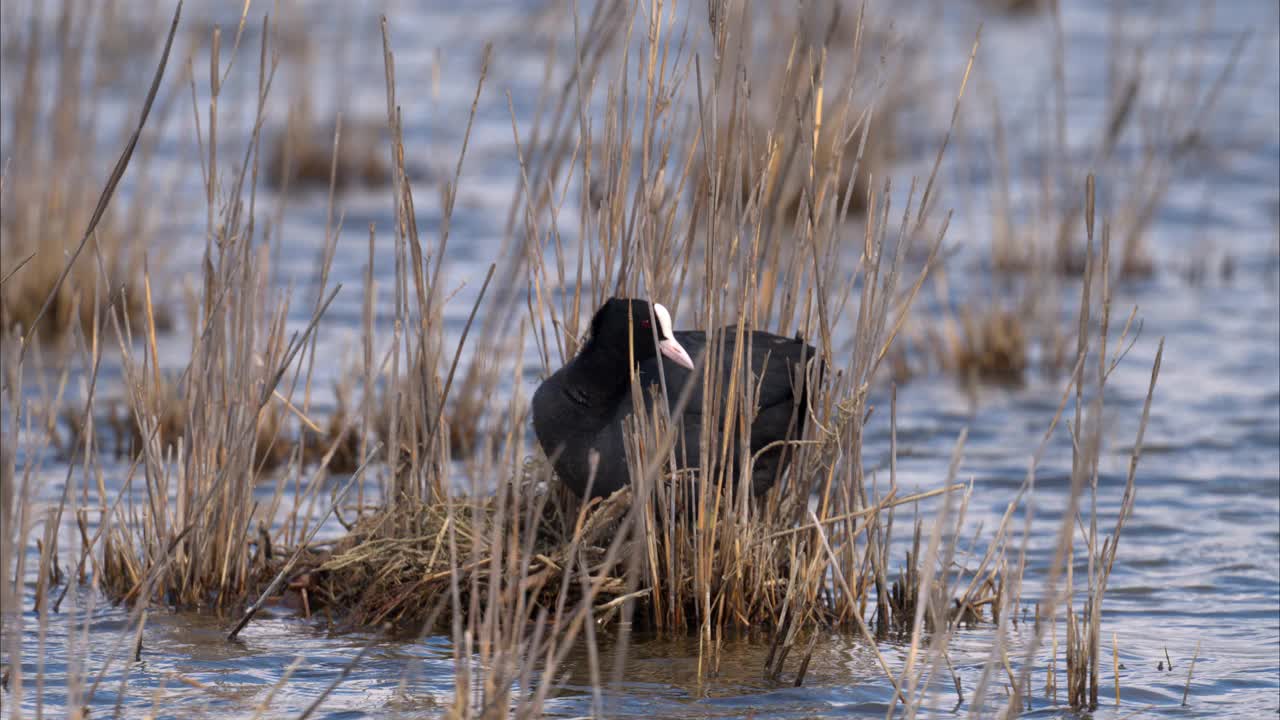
(419,502)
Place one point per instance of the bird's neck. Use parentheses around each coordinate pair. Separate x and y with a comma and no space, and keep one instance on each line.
(598,375)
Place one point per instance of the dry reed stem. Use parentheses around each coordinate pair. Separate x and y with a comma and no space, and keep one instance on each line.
(1186,690)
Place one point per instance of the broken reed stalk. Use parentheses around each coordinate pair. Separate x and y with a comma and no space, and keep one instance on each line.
(1186,690)
(1115,664)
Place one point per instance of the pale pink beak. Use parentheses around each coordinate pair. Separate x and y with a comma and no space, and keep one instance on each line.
(675,353)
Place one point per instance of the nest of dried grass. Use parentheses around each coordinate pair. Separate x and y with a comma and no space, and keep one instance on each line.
(397,566)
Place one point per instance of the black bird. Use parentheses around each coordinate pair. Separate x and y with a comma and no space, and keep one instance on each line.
(581,407)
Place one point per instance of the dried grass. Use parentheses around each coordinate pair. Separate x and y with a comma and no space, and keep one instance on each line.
(308,154)
(802,120)
(998,331)
(993,337)
(1146,138)
(50,184)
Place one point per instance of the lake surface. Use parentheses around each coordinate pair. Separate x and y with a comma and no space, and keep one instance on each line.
(1199,561)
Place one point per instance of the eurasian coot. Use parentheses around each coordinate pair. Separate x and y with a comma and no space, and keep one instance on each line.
(581,407)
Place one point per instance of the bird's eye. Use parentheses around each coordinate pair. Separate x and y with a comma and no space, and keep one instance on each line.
(644,324)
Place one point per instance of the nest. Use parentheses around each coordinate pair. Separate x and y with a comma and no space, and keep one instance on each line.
(398,565)
(531,551)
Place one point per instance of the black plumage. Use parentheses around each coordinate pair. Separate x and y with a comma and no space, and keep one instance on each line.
(582,406)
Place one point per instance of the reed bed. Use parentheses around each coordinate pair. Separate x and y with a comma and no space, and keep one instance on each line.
(284,435)
(306,153)
(844,139)
(50,183)
(1144,138)
(999,335)
(1000,332)
(488,547)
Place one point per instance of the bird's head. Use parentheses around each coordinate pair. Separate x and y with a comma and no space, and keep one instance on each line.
(646,328)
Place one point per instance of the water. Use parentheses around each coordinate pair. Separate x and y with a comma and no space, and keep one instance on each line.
(1199,561)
